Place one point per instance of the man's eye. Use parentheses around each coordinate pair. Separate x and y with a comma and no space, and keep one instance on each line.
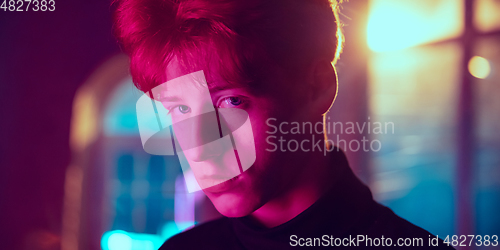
(230,102)
(184,109)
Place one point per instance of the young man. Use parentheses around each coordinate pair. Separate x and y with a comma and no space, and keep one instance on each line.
(235,78)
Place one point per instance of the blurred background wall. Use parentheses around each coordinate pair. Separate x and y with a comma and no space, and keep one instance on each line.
(45,57)
(73,174)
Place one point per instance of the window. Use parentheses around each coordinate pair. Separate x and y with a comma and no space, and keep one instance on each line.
(418,79)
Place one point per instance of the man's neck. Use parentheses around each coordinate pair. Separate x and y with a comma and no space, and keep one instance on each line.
(313,183)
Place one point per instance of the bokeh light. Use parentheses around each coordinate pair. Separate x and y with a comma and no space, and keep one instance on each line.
(479,67)
(395,25)
(117,240)
(122,240)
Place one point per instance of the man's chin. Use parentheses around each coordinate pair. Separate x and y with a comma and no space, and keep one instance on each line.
(231,204)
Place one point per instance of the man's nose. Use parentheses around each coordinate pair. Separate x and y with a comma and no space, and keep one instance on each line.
(196,134)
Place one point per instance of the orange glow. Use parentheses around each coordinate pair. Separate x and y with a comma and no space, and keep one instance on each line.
(486,17)
(396,24)
(83,122)
(479,67)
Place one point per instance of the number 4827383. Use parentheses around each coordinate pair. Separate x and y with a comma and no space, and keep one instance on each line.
(28,5)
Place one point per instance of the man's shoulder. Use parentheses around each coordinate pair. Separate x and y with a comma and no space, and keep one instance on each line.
(210,235)
(386,223)
(389,223)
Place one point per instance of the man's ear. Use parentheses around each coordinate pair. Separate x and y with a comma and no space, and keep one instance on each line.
(324,85)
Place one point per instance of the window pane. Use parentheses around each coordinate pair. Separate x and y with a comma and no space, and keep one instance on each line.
(487,167)
(487,15)
(416,90)
(398,24)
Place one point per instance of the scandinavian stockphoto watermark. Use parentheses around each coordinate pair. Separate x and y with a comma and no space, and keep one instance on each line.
(288,136)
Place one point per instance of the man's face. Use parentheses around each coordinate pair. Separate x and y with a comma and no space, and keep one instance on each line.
(227,176)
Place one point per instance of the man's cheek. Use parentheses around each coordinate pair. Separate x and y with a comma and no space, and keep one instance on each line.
(245,145)
(239,125)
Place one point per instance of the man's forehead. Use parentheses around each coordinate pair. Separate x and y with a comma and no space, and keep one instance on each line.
(211,72)
(221,75)
(189,84)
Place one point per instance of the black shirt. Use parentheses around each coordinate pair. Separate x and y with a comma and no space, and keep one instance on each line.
(345,214)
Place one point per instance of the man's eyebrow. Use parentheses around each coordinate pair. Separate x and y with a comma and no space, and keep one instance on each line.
(169,98)
(220,87)
(211,87)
